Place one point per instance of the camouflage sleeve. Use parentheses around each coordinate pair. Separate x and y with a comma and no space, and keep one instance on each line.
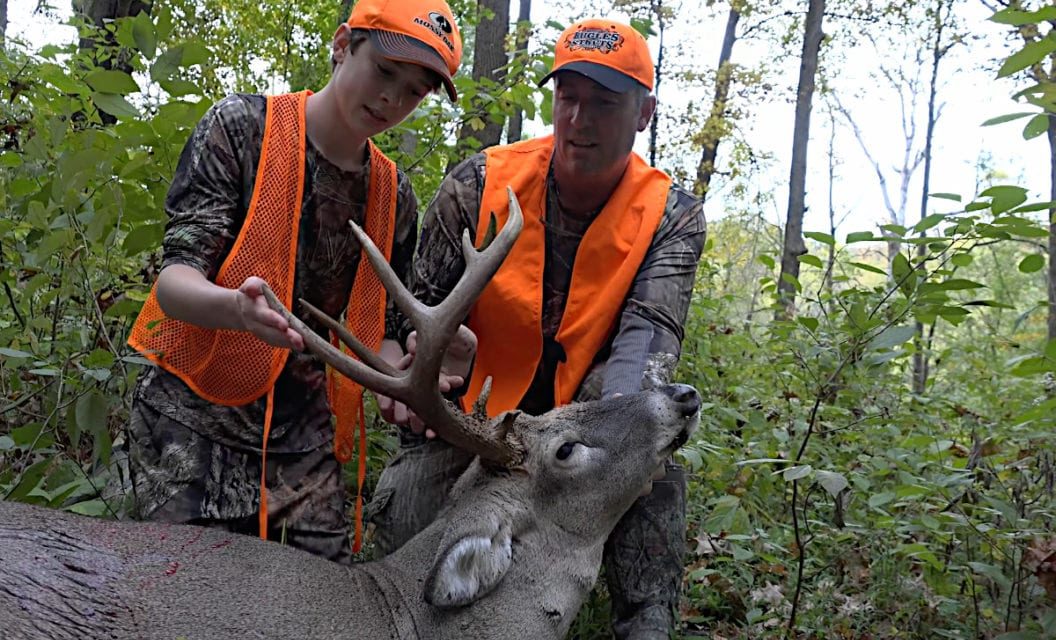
(404,237)
(205,202)
(438,262)
(647,346)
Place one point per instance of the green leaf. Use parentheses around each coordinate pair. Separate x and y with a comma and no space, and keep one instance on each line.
(10,159)
(808,322)
(95,508)
(893,337)
(813,261)
(797,472)
(881,499)
(723,515)
(823,238)
(928,222)
(1018,18)
(14,353)
(1008,117)
(1035,206)
(110,81)
(167,64)
(832,482)
(1036,126)
(990,571)
(921,552)
(115,105)
(868,267)
(766,261)
(1005,197)
(958,284)
(91,411)
(28,480)
(1030,54)
(1032,263)
(178,88)
(860,236)
(194,53)
(961,259)
(143,33)
(903,274)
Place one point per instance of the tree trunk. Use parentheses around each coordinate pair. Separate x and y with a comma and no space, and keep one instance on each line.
(524,30)
(98,12)
(658,13)
(714,128)
(1052,228)
(346,10)
(793,245)
(830,260)
(3,22)
(920,356)
(489,61)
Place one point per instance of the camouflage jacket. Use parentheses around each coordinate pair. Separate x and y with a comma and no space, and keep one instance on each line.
(645,347)
(207,204)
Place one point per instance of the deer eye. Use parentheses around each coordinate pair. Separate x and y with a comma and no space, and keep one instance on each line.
(565,450)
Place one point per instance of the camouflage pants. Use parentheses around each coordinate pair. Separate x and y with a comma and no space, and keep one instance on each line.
(181,476)
(643,556)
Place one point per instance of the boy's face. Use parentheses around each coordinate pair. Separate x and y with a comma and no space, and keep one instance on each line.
(373,92)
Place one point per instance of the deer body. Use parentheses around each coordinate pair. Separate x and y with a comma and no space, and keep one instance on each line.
(512,557)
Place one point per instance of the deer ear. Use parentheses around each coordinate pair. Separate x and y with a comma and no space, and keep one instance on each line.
(469,569)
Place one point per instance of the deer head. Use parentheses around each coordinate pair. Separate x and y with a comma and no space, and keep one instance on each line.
(535,475)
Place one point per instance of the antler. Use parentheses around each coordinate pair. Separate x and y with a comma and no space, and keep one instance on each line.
(418,386)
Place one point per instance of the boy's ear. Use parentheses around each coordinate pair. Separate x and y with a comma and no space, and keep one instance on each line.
(469,568)
(339,46)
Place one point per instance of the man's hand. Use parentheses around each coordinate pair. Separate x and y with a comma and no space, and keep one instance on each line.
(458,358)
(256,317)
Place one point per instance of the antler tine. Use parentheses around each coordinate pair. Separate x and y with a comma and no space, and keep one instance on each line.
(482,265)
(417,312)
(351,368)
(480,268)
(344,335)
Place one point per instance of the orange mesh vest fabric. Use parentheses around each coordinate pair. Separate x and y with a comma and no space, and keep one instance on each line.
(235,367)
(508,316)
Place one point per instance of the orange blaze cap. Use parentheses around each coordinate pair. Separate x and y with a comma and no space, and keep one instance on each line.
(422,32)
(610,53)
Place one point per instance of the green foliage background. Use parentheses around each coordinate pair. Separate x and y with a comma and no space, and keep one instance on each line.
(825,496)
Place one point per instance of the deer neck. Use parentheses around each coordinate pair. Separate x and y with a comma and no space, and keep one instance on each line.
(551,574)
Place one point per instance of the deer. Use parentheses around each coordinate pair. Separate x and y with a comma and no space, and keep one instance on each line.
(513,555)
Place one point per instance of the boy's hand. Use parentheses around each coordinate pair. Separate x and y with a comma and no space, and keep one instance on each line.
(453,371)
(257,317)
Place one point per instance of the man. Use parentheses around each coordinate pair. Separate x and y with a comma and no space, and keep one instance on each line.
(591,301)
(233,428)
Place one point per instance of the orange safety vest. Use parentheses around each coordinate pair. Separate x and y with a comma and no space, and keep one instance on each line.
(507,317)
(235,367)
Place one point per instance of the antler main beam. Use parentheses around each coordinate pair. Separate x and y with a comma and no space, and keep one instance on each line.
(418,387)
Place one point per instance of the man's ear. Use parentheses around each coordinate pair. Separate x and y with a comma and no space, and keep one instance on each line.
(469,568)
(645,114)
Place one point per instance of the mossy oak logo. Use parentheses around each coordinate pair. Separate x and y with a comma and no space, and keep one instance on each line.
(600,40)
(439,25)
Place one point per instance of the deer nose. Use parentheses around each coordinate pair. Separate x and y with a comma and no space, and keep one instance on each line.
(685,396)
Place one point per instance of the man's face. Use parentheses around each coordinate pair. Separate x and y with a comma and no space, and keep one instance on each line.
(594,128)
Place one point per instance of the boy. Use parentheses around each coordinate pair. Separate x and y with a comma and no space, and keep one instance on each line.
(233,428)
